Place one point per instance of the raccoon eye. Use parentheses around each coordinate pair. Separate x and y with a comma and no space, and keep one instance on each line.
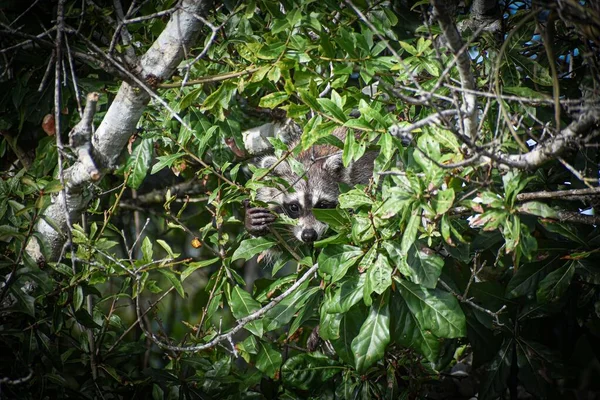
(293,210)
(325,204)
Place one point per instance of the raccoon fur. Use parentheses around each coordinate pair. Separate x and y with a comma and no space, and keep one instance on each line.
(317,188)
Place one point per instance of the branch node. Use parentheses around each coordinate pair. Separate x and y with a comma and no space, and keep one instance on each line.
(80,137)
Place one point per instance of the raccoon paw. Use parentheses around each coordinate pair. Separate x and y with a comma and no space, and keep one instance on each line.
(257,220)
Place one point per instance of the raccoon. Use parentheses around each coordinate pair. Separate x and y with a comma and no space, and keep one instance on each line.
(318,188)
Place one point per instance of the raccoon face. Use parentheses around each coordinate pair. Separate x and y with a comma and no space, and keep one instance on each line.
(309,229)
(317,188)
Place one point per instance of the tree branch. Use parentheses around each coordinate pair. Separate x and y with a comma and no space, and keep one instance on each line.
(551,149)
(575,194)
(463,64)
(159,62)
(240,324)
(80,138)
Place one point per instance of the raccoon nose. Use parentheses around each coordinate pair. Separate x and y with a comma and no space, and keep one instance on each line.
(309,235)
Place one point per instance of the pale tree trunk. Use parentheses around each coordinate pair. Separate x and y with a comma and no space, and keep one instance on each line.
(109,140)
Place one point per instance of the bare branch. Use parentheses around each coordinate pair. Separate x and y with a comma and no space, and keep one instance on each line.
(462,299)
(213,35)
(402,131)
(551,149)
(31,38)
(574,194)
(125,35)
(240,323)
(463,64)
(573,216)
(208,79)
(9,381)
(520,99)
(63,205)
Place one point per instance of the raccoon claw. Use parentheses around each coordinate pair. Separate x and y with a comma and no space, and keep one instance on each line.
(257,221)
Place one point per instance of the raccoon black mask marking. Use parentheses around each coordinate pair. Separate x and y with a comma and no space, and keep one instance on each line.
(318,188)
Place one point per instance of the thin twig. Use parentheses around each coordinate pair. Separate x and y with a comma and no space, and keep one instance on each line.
(137,321)
(493,314)
(60,26)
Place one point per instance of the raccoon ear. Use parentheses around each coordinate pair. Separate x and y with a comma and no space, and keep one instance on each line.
(334,163)
(268,161)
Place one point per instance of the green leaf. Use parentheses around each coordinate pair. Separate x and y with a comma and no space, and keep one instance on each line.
(333,109)
(54,186)
(409,48)
(250,247)
(362,229)
(329,325)
(425,266)
(190,98)
(308,371)
(306,312)
(525,280)
(274,74)
(369,346)
(394,252)
(271,51)
(147,250)
(166,247)
(379,275)
(242,304)
(218,97)
(443,201)
(563,229)
(406,330)
(495,381)
(535,71)
(346,295)
(175,282)
(268,359)
(309,100)
(337,259)
(196,265)
(335,218)
(77,297)
(25,303)
(435,310)
(354,199)
(537,364)
(555,284)
(358,124)
(272,100)
(513,182)
(398,201)
(539,209)
(410,233)
(165,161)
(349,327)
(429,152)
(350,149)
(285,310)
(85,319)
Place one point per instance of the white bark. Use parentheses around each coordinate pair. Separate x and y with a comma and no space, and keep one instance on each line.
(120,122)
(463,64)
(575,132)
